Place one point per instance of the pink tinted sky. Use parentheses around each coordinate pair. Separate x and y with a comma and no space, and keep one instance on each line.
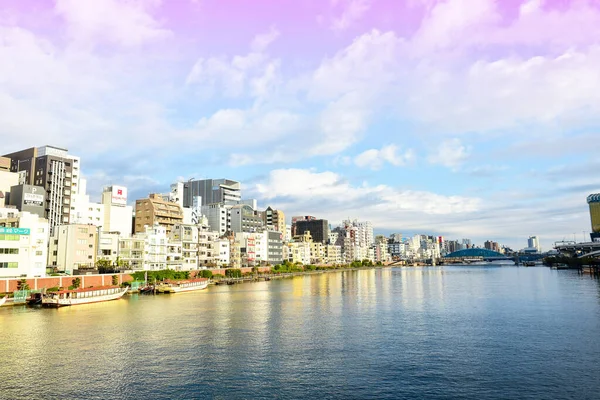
(407,110)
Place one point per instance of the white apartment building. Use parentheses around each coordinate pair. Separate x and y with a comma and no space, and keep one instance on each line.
(82,210)
(73,247)
(131,252)
(108,247)
(218,216)
(381,249)
(223,249)
(333,254)
(23,244)
(207,247)
(187,238)
(155,247)
(356,239)
(175,260)
(299,252)
(317,253)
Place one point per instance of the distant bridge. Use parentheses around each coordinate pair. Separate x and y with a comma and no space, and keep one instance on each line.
(580,250)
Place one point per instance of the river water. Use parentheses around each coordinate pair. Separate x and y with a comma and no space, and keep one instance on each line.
(432,333)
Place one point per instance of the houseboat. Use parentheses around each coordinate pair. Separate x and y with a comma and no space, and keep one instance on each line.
(82,296)
(182,286)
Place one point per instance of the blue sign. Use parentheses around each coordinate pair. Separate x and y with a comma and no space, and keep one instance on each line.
(14,231)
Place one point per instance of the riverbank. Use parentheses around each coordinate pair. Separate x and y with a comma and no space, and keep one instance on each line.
(11,285)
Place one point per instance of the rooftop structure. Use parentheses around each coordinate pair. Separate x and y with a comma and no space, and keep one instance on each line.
(594,202)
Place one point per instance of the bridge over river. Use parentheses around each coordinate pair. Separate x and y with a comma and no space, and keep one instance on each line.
(580,250)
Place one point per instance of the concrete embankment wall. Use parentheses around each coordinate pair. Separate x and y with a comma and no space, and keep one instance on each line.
(8,285)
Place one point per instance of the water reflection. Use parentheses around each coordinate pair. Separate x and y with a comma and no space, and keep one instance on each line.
(466,332)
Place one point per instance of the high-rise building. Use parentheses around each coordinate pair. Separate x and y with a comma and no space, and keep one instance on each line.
(534,243)
(296,219)
(155,210)
(244,219)
(117,214)
(274,218)
(318,228)
(211,191)
(57,172)
(494,246)
(594,202)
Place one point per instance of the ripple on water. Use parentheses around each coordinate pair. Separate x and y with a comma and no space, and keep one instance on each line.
(435,333)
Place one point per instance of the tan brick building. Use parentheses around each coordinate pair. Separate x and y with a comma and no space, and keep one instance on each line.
(156,210)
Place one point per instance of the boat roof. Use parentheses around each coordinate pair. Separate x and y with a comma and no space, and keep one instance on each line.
(82,290)
(186,280)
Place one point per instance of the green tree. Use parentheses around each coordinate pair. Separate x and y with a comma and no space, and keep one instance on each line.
(233,273)
(122,264)
(205,273)
(104,266)
(115,280)
(22,285)
(76,283)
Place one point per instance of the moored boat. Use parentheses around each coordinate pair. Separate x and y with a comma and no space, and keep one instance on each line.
(3,300)
(182,286)
(82,296)
(35,299)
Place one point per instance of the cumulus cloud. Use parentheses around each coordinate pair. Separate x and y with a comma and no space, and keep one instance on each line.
(450,153)
(353,11)
(126,23)
(254,74)
(300,186)
(376,158)
(262,41)
(530,6)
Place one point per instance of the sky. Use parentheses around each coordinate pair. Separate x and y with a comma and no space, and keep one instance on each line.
(462,118)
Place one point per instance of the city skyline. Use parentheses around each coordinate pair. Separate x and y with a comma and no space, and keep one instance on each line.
(455,118)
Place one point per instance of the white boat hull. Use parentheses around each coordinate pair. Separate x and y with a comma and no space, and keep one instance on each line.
(178,289)
(3,300)
(61,302)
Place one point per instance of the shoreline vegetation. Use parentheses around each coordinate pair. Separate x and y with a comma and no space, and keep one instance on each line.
(279,270)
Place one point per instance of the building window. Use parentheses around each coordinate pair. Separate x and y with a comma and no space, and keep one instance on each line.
(9,251)
(9,265)
(10,237)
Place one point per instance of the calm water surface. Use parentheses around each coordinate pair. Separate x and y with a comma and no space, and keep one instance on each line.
(431,333)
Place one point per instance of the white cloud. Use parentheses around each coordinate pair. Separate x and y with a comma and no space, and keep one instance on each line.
(307,186)
(449,21)
(530,6)
(301,191)
(366,66)
(261,42)
(376,158)
(450,153)
(353,11)
(242,128)
(509,92)
(255,74)
(126,23)
(341,124)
